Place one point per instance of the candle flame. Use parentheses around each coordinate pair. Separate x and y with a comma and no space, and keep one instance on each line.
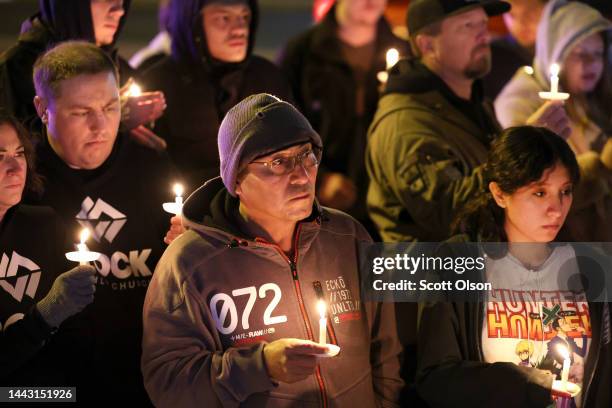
(322,308)
(134,90)
(554,69)
(84,235)
(392,57)
(178,189)
(563,351)
(528,70)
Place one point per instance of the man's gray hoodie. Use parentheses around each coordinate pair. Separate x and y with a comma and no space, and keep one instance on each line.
(217,296)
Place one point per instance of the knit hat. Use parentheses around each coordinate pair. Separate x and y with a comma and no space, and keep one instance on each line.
(257,126)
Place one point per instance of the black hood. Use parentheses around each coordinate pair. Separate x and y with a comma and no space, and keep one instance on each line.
(187,32)
(409,75)
(63,20)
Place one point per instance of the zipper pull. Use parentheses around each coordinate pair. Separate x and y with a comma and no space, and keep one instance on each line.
(293,267)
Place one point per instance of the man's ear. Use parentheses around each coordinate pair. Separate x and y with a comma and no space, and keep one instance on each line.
(425,44)
(498,194)
(41,108)
(238,188)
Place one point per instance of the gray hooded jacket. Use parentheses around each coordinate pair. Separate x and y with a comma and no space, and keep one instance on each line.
(217,297)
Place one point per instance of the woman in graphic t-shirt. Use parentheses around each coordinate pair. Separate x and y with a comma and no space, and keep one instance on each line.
(495,353)
(34,297)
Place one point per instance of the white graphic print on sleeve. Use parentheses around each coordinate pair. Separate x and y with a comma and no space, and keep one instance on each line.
(14,281)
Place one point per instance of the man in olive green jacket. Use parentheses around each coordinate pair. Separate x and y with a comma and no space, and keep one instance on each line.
(432,130)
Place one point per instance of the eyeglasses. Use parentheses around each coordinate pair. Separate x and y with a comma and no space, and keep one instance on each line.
(285,165)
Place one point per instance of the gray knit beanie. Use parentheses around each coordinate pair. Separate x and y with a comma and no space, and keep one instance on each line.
(257,126)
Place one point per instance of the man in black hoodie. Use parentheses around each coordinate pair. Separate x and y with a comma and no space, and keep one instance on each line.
(332,68)
(210,70)
(96,21)
(101,180)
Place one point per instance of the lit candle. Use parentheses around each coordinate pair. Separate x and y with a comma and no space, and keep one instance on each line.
(177,206)
(178,192)
(322,308)
(554,94)
(392,57)
(554,78)
(134,90)
(82,255)
(566,365)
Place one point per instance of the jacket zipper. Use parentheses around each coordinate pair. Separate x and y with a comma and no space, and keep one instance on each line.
(296,282)
(586,389)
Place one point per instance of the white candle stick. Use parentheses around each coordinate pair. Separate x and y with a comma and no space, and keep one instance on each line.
(322,308)
(178,192)
(554,94)
(175,207)
(566,365)
(82,255)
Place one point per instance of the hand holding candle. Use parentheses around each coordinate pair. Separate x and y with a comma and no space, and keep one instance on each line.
(82,255)
(554,94)
(138,107)
(564,389)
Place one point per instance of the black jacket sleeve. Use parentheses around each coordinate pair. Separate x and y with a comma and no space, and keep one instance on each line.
(22,340)
(450,375)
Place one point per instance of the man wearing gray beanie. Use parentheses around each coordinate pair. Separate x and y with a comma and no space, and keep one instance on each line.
(231,316)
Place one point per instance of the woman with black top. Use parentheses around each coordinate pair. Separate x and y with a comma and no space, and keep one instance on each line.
(35,297)
(509,349)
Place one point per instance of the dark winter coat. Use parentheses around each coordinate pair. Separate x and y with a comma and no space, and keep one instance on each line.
(200,90)
(56,21)
(324,88)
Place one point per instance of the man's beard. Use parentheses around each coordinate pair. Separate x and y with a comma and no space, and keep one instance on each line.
(478,68)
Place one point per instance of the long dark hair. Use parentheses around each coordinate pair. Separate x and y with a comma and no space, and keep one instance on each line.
(518,157)
(33,180)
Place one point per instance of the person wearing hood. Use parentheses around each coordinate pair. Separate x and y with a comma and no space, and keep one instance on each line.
(578,38)
(210,70)
(433,127)
(159,46)
(97,21)
(98,178)
(332,69)
(231,316)
(515,49)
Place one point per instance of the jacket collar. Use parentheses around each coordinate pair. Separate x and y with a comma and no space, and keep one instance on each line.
(212,209)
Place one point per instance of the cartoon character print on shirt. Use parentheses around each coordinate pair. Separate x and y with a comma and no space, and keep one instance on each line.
(539,330)
(19,278)
(117,269)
